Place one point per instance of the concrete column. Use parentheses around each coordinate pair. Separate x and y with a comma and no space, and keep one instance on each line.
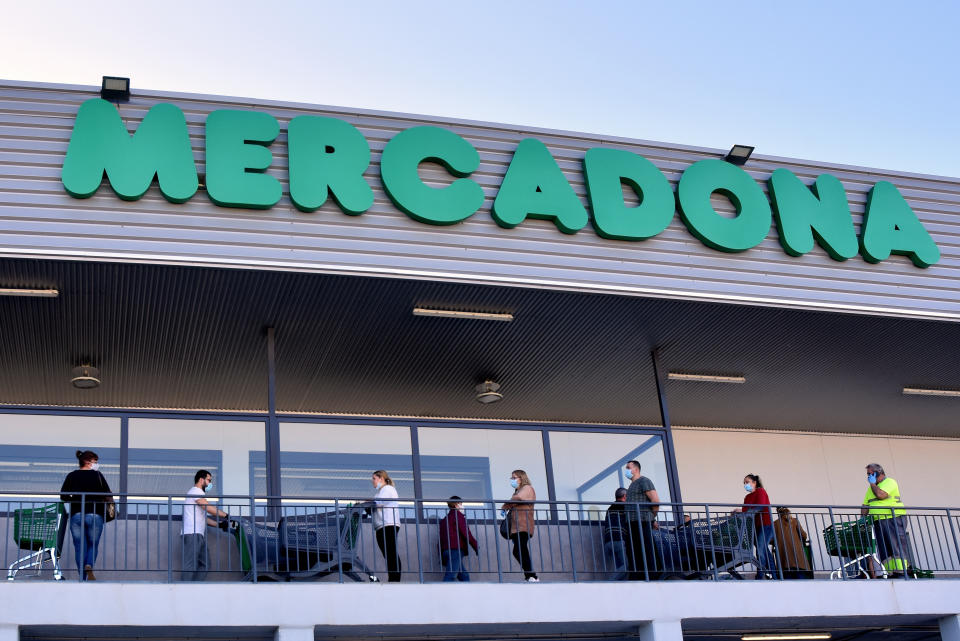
(662,631)
(950,628)
(9,632)
(292,633)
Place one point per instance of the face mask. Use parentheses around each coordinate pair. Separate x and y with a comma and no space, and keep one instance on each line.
(209,487)
(95,467)
(629,474)
(748,487)
(514,483)
(872,477)
(377,485)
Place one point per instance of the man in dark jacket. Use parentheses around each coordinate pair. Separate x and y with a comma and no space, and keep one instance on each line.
(615,528)
(455,536)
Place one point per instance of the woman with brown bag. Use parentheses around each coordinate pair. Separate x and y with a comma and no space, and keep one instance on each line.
(522,521)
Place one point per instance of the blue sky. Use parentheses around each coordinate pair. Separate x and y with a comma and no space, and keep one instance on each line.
(866,83)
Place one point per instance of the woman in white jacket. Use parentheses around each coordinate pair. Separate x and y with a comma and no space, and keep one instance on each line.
(386,522)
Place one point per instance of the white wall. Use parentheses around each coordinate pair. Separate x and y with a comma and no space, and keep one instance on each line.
(806,468)
(80,432)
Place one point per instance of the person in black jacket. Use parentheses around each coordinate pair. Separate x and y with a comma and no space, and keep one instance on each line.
(87,513)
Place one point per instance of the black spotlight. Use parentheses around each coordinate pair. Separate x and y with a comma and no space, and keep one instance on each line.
(115,89)
(738,155)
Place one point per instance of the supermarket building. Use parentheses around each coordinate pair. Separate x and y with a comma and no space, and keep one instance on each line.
(293,296)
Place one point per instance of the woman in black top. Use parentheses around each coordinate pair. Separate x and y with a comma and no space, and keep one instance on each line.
(87,512)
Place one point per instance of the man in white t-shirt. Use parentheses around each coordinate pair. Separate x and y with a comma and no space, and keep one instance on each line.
(195,511)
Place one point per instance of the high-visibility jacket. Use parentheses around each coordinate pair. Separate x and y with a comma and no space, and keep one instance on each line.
(881,508)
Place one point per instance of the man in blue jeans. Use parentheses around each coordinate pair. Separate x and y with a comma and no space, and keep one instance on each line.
(455,536)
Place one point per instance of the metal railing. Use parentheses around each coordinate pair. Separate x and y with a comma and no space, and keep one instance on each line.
(283,538)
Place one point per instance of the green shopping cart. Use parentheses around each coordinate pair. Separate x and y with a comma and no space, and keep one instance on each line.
(36,529)
(853,543)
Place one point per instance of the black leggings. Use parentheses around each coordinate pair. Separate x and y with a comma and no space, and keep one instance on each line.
(387,540)
(521,552)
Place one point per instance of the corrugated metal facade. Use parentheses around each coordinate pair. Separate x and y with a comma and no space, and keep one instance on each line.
(38,218)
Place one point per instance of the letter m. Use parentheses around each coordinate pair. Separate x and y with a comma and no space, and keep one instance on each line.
(101,143)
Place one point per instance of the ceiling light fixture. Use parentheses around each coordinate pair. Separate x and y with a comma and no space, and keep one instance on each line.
(924,391)
(488,392)
(85,377)
(453,313)
(41,293)
(705,378)
(793,636)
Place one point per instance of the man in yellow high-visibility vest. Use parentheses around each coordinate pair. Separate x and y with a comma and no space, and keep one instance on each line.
(883,504)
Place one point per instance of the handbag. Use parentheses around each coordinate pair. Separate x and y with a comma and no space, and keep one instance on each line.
(110,513)
(505,525)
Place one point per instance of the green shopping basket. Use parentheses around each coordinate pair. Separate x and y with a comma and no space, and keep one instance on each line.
(36,529)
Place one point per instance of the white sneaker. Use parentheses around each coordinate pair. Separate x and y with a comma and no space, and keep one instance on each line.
(533,579)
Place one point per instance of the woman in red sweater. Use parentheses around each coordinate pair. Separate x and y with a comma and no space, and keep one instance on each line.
(758,502)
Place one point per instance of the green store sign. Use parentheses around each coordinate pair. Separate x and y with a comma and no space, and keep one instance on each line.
(328,158)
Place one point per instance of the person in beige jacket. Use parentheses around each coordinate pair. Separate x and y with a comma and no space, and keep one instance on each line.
(522,521)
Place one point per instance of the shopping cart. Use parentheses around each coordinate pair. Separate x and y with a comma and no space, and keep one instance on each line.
(853,543)
(302,546)
(724,544)
(36,529)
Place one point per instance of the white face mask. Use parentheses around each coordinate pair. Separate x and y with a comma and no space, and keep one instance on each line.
(95,467)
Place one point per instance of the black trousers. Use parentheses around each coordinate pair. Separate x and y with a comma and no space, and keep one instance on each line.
(387,541)
(521,552)
(643,555)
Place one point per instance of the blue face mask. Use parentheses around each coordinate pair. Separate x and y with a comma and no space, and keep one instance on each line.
(748,487)
(514,483)
(209,487)
(872,477)
(629,474)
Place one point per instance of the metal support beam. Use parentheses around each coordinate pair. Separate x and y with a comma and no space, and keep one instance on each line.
(950,628)
(668,450)
(272,429)
(661,631)
(124,485)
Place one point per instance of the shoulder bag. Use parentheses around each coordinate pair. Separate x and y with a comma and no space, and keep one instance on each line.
(110,511)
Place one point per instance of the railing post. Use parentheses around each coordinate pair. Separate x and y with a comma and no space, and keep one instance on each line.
(170,538)
(713,549)
(253,537)
(348,529)
(416,516)
(83,536)
(573,557)
(953,534)
(496,538)
(833,528)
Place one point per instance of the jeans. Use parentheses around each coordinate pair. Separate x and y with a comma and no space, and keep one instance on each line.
(615,554)
(453,564)
(194,557)
(764,554)
(86,530)
(642,564)
(387,541)
(521,552)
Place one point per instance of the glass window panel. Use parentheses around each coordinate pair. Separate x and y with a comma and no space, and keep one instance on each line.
(335,461)
(33,457)
(589,466)
(166,453)
(476,463)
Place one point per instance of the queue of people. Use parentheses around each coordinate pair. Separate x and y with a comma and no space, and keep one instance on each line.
(628,526)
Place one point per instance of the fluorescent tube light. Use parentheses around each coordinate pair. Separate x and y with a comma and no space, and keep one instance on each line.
(705,378)
(42,293)
(923,391)
(452,313)
(797,636)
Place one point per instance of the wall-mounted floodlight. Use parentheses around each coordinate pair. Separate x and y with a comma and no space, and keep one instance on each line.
(705,378)
(115,89)
(454,313)
(924,391)
(738,155)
